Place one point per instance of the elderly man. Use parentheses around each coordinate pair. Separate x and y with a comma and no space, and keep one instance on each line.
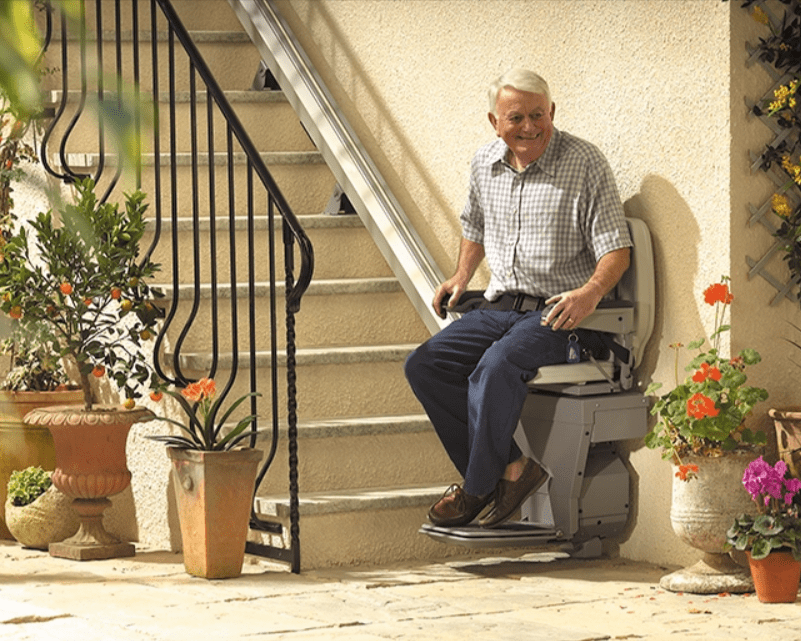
(544,210)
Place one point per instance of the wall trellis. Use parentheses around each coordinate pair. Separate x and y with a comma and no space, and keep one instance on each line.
(763,214)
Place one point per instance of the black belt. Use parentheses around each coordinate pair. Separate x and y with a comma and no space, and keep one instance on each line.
(474,299)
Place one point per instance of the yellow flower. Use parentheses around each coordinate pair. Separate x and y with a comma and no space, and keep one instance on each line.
(760,16)
(780,206)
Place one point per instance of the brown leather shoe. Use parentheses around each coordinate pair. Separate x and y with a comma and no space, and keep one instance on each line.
(509,495)
(457,507)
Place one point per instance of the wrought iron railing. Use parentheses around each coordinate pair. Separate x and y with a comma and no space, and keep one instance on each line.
(221,185)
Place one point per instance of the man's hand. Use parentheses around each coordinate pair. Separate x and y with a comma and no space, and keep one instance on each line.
(570,308)
(453,288)
(470,255)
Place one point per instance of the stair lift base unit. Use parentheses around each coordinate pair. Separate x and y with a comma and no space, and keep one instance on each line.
(587,497)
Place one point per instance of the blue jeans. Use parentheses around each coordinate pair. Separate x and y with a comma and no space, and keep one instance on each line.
(471,380)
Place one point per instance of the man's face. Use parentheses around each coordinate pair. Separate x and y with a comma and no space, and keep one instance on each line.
(525,123)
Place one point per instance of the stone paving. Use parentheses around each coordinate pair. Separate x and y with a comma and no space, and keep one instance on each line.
(534,596)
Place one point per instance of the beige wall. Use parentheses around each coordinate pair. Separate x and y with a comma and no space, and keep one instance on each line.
(648,81)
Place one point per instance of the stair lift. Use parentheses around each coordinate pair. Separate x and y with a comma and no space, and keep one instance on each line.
(572,420)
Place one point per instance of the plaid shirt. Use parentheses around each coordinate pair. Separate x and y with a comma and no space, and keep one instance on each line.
(544,229)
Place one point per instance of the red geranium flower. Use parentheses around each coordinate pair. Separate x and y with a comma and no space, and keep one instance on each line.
(706,372)
(686,472)
(700,406)
(718,293)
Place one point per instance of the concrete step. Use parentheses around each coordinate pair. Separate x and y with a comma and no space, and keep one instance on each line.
(359,526)
(366,452)
(350,311)
(230,55)
(253,108)
(194,14)
(303,178)
(342,246)
(332,382)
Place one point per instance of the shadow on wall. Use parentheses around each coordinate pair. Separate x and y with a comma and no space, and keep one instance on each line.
(675,237)
(406,168)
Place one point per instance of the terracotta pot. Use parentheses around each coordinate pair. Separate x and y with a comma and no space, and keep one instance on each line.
(776,577)
(48,519)
(24,445)
(214,492)
(90,466)
(702,509)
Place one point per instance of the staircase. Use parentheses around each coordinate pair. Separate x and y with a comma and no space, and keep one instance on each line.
(369,461)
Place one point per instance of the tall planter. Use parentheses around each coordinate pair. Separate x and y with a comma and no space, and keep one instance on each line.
(24,445)
(701,512)
(91,465)
(214,492)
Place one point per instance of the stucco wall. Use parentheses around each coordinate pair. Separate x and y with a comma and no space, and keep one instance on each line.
(648,81)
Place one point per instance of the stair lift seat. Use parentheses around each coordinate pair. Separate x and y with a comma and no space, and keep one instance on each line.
(571,422)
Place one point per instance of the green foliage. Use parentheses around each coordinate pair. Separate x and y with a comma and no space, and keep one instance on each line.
(25,486)
(705,413)
(35,364)
(81,280)
(764,533)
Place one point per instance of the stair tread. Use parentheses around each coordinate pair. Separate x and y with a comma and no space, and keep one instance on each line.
(339,286)
(363,426)
(184,158)
(340,355)
(360,499)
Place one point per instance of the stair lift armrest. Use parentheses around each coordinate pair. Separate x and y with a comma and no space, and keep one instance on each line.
(616,318)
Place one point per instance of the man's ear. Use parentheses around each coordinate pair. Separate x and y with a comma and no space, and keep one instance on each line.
(494,121)
(553,109)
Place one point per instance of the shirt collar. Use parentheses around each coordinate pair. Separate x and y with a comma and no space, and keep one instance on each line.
(546,162)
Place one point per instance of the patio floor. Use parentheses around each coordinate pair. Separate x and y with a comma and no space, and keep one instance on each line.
(535,596)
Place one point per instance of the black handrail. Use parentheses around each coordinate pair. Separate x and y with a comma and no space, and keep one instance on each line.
(180,326)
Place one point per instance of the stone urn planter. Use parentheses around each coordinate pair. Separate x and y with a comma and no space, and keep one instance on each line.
(49,519)
(701,512)
(24,445)
(91,465)
(214,492)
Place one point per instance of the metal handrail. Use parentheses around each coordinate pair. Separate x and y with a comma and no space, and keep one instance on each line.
(345,155)
(258,176)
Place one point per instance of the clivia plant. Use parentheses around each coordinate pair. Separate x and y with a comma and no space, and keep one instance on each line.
(777,525)
(204,430)
(704,414)
(83,284)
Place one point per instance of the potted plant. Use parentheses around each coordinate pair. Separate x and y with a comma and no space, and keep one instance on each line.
(35,378)
(701,430)
(214,478)
(37,513)
(772,538)
(80,282)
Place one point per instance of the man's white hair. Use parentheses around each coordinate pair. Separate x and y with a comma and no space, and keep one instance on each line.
(520,79)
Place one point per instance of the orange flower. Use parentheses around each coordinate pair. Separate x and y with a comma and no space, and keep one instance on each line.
(700,406)
(98,371)
(706,372)
(156,396)
(686,472)
(116,292)
(718,293)
(65,288)
(204,388)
